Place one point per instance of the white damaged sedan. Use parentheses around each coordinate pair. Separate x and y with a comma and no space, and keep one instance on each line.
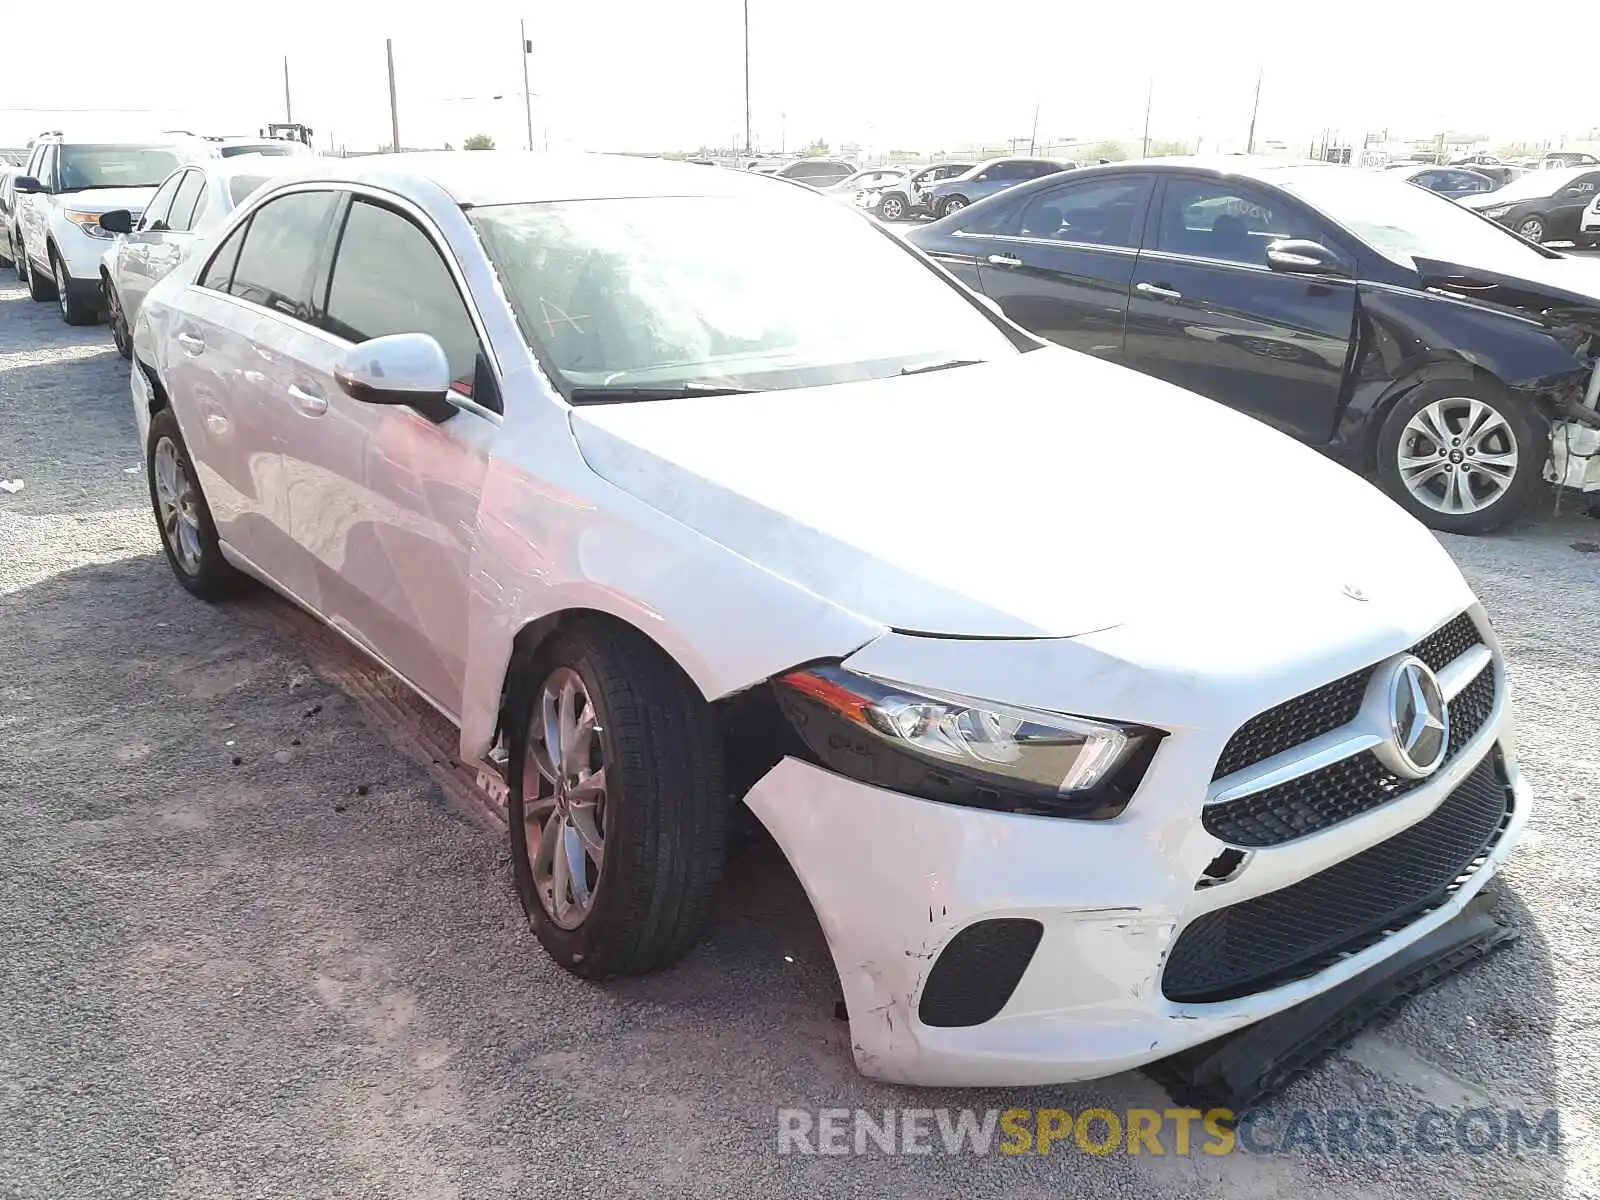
(678,489)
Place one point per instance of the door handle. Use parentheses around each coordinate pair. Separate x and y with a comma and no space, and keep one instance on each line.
(1004,260)
(310,403)
(1160,293)
(191,344)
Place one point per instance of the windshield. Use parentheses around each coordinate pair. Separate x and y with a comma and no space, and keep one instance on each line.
(84,167)
(733,293)
(1406,222)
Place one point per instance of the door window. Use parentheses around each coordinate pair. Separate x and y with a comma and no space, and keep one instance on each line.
(1220,219)
(160,206)
(47,168)
(219,271)
(1100,213)
(181,218)
(388,278)
(280,252)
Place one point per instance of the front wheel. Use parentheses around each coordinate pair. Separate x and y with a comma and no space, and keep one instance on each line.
(1532,228)
(618,809)
(952,204)
(73,310)
(1463,457)
(39,290)
(892,208)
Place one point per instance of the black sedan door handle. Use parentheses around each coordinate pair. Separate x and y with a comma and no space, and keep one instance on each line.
(1004,260)
(1160,293)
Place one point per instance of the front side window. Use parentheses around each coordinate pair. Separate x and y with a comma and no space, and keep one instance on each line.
(160,206)
(1225,220)
(107,166)
(181,218)
(665,292)
(1101,213)
(388,278)
(280,251)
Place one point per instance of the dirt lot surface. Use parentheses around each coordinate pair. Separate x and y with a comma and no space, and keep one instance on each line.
(257,941)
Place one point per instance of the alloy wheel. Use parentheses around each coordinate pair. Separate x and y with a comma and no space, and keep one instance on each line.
(1457,455)
(1532,229)
(176,507)
(954,204)
(61,286)
(566,811)
(891,209)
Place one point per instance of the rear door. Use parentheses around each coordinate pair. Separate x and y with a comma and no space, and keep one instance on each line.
(235,347)
(385,499)
(1209,314)
(1062,264)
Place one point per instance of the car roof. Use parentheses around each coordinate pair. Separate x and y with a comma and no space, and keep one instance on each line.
(488,177)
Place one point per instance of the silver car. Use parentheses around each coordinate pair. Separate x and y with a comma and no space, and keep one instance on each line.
(986,179)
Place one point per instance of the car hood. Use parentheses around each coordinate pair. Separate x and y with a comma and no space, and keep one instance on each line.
(107,199)
(1564,288)
(1046,495)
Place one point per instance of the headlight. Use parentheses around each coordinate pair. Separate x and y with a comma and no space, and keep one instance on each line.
(1495,213)
(960,750)
(89,222)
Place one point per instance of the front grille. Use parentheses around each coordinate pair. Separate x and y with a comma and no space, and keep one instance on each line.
(1323,798)
(1304,928)
(1324,709)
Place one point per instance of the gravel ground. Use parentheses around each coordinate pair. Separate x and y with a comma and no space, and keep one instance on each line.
(259,942)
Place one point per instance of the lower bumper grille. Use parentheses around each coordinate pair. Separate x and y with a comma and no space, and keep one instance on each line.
(1303,928)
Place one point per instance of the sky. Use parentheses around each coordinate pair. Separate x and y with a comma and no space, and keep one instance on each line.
(629,74)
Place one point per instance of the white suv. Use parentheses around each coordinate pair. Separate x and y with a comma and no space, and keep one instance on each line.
(62,192)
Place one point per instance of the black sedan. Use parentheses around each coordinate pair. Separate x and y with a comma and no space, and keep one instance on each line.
(1392,328)
(1543,206)
(1454,182)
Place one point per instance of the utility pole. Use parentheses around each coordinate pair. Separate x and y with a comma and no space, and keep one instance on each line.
(527,96)
(747,76)
(1250,146)
(394,106)
(288,109)
(1149,95)
(1033,137)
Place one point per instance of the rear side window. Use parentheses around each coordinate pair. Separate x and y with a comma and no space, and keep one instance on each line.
(218,274)
(388,278)
(280,252)
(181,218)
(240,187)
(1098,213)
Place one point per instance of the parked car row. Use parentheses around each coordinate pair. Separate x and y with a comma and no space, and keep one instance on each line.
(1396,331)
(569,467)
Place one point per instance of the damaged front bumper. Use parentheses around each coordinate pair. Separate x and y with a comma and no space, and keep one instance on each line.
(1575,440)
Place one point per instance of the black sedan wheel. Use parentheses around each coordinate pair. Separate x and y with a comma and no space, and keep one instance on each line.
(1462,456)
(1531,227)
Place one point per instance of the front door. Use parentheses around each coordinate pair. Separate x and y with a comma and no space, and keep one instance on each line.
(1207,312)
(1566,210)
(383,498)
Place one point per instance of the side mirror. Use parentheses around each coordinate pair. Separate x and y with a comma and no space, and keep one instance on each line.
(27,185)
(118,220)
(1300,256)
(402,368)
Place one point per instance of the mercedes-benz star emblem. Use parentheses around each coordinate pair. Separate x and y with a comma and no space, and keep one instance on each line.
(1419,720)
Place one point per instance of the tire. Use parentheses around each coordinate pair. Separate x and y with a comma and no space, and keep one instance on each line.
(1440,438)
(19,262)
(196,558)
(39,290)
(120,334)
(1531,227)
(952,204)
(73,310)
(661,818)
(892,207)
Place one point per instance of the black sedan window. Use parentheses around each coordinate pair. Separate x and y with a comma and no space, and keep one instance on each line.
(1098,213)
(1222,220)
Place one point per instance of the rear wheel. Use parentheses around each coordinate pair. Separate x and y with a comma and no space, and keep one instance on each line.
(1463,457)
(187,533)
(73,310)
(38,289)
(618,809)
